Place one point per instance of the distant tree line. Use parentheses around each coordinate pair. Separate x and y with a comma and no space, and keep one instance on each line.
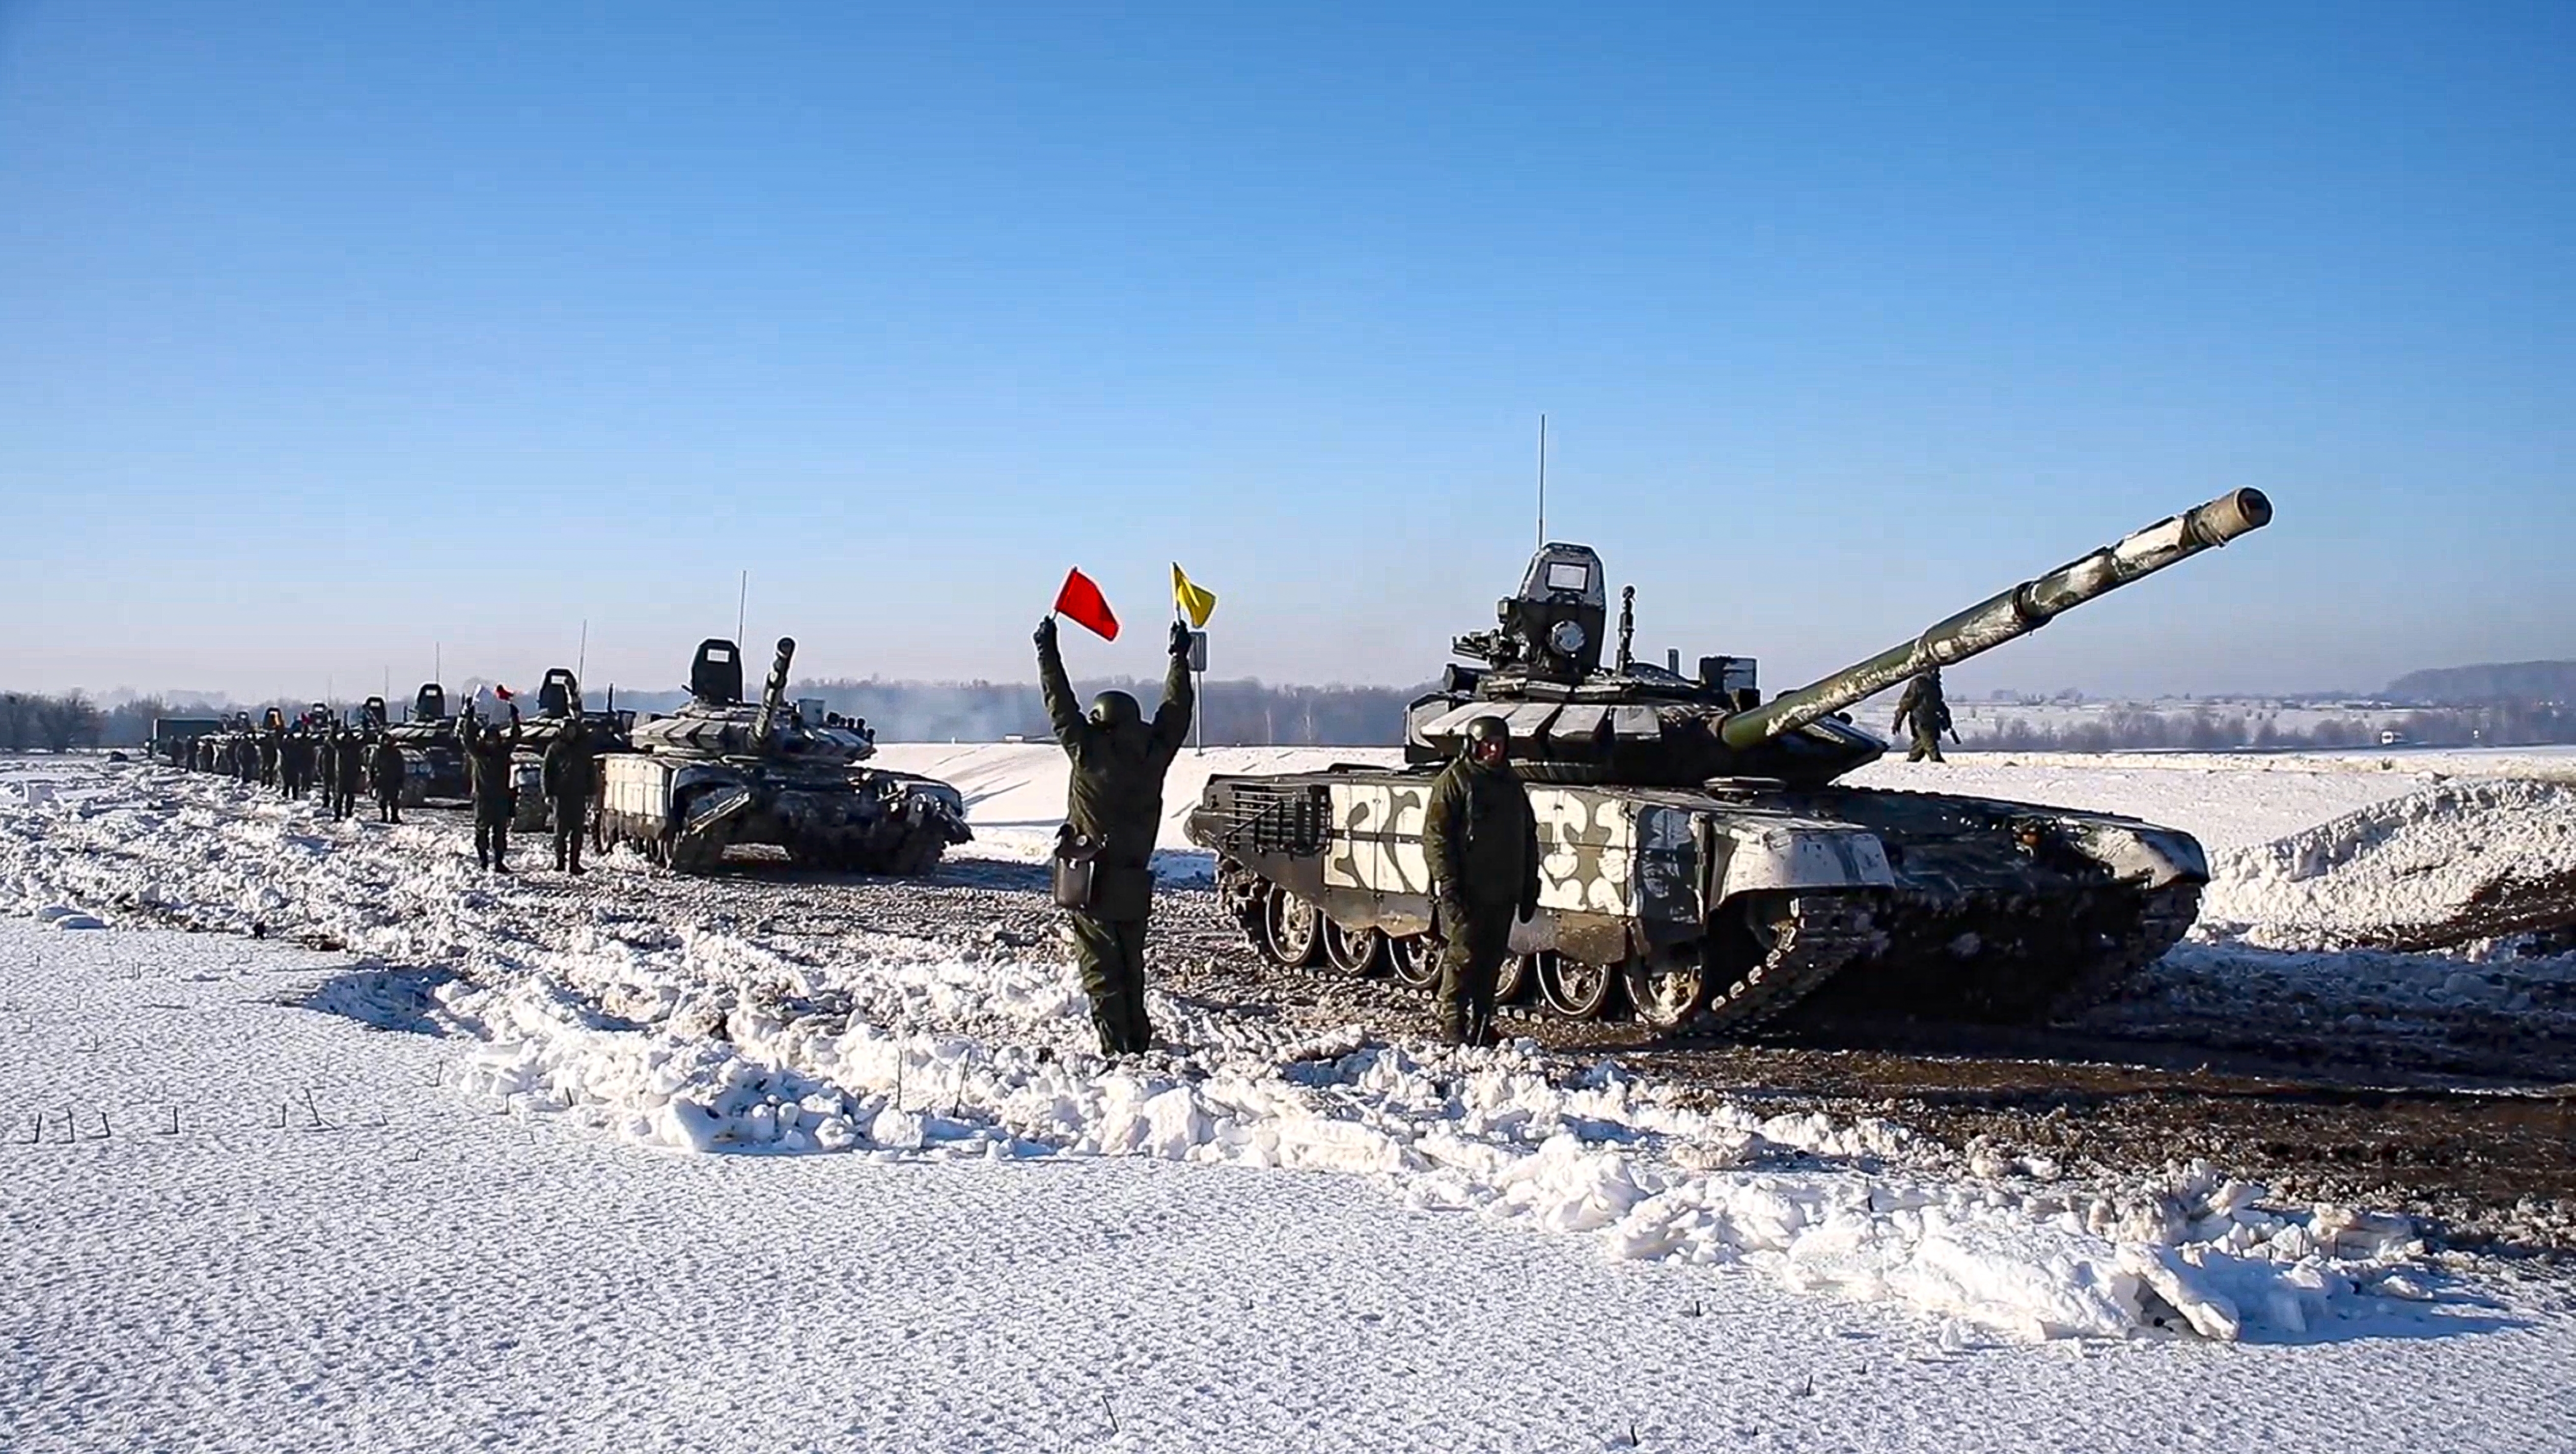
(2509,681)
(2503,724)
(39,722)
(1239,712)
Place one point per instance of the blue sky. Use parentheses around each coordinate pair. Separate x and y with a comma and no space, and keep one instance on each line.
(331,336)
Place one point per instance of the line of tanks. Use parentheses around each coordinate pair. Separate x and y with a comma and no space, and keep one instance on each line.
(683,788)
(1701,867)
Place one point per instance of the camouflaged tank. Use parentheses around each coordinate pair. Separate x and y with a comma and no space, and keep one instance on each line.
(433,757)
(1699,862)
(559,704)
(721,772)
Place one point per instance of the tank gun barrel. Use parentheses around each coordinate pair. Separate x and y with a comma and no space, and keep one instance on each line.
(2013,613)
(773,693)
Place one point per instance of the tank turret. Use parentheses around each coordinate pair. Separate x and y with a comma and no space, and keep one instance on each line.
(1574,720)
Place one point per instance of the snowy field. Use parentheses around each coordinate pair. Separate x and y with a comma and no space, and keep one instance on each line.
(628,1164)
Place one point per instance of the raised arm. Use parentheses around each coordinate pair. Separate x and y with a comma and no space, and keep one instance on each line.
(1062,714)
(1180,699)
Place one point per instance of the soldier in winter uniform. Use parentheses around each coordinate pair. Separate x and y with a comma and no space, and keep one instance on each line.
(487,769)
(1114,812)
(387,775)
(1921,704)
(568,773)
(350,762)
(268,755)
(1481,841)
(326,763)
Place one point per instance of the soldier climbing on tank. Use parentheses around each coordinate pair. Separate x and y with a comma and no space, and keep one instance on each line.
(1481,842)
(570,766)
(349,758)
(1113,813)
(1922,704)
(487,769)
(386,773)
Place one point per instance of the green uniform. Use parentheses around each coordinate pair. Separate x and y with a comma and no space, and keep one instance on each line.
(350,762)
(1922,704)
(487,771)
(1115,798)
(1481,842)
(569,768)
(388,775)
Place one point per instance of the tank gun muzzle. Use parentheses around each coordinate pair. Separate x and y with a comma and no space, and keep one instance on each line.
(2013,613)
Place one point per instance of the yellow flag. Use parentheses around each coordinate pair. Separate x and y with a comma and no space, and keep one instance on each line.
(1196,601)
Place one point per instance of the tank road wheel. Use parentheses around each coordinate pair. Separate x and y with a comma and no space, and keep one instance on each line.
(1415,959)
(1292,929)
(1355,952)
(1574,989)
(1668,989)
(1519,972)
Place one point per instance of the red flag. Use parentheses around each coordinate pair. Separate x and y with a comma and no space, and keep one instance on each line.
(1081,602)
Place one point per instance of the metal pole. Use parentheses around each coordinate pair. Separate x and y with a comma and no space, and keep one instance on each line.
(1542,480)
(741,603)
(581,658)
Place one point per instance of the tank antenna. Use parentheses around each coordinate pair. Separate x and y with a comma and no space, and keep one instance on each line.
(581,657)
(741,603)
(1542,481)
(1627,624)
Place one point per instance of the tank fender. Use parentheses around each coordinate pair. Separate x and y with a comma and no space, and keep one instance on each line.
(2141,853)
(1749,857)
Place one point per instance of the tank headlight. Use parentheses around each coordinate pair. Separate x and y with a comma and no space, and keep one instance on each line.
(1565,638)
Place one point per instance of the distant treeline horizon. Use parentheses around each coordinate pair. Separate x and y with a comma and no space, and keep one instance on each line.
(2502,705)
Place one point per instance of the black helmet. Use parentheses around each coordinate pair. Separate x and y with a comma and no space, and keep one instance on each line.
(1114,710)
(1489,731)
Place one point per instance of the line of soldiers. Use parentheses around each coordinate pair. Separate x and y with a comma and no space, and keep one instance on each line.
(297,760)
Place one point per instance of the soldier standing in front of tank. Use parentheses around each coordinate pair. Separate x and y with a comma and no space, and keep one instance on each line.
(1922,704)
(1481,841)
(569,768)
(1114,800)
(487,769)
(350,760)
(387,772)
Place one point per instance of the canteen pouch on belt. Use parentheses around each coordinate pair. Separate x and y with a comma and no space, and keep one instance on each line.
(1076,865)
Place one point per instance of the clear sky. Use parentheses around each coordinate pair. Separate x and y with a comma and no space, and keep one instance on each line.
(335,335)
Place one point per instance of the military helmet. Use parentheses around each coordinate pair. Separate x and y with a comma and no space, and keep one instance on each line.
(1114,710)
(1489,731)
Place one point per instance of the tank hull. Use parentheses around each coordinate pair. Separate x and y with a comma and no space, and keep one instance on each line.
(687,812)
(1727,907)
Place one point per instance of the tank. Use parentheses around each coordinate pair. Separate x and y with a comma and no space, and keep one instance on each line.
(1701,866)
(433,758)
(721,772)
(559,703)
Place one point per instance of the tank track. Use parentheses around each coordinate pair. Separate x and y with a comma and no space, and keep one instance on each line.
(1820,934)
(2164,917)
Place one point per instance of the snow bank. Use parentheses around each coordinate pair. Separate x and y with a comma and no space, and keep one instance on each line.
(619,1005)
(2449,863)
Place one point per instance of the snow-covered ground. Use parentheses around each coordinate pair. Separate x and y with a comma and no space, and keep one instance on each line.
(338,1248)
(933,1215)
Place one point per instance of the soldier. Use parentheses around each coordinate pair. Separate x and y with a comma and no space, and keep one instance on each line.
(269,744)
(298,762)
(388,774)
(1921,702)
(1481,841)
(326,764)
(487,769)
(349,759)
(1114,812)
(567,776)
